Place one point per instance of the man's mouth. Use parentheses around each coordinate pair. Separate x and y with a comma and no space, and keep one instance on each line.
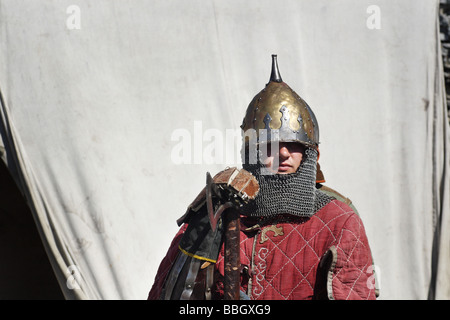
(284,167)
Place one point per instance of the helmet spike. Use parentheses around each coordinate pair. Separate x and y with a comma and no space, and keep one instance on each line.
(275,75)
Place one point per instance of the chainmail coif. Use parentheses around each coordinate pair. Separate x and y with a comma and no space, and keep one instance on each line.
(292,194)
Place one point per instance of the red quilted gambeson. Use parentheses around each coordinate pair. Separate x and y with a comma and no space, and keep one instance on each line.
(281,261)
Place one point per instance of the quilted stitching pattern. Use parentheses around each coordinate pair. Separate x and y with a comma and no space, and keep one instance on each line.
(285,267)
(352,264)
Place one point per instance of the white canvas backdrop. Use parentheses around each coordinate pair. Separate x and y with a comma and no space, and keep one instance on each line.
(95,96)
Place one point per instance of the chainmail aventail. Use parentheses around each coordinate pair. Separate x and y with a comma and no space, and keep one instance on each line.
(287,194)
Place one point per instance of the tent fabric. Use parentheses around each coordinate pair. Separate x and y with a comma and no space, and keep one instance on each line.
(112,112)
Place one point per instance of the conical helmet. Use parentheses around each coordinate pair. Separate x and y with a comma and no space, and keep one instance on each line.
(278,113)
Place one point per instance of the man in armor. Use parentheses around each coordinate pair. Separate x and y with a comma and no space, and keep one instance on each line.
(297,238)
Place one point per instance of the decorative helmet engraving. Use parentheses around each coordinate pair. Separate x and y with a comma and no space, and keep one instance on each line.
(277,113)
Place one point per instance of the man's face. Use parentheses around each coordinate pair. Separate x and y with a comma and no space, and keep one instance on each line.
(289,155)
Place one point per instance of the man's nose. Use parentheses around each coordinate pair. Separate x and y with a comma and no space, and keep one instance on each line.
(284,152)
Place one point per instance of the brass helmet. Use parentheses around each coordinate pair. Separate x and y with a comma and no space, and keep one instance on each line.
(284,115)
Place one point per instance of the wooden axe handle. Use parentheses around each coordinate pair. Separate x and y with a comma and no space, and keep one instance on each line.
(232,270)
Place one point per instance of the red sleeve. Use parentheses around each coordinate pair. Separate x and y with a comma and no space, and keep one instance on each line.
(165,266)
(352,275)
